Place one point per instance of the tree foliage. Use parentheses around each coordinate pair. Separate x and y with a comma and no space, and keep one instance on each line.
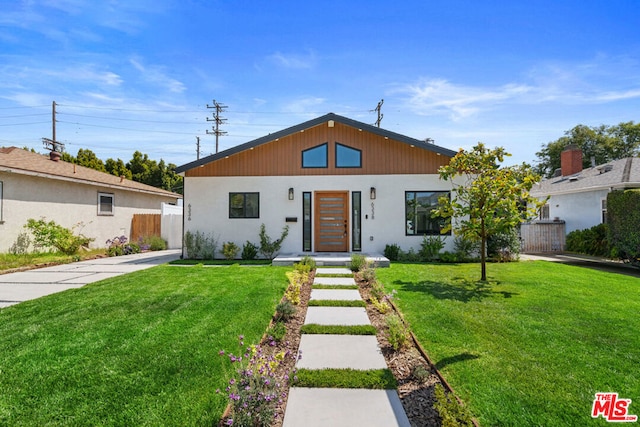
(140,169)
(602,143)
(488,199)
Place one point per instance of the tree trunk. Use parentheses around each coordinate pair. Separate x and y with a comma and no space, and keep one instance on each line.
(483,253)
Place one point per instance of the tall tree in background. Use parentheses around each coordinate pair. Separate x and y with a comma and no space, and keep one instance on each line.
(600,143)
(117,168)
(487,200)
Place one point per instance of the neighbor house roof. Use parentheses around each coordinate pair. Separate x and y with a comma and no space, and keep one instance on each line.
(19,161)
(617,174)
(309,124)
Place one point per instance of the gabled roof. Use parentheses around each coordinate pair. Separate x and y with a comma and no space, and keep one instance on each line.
(309,124)
(18,161)
(617,174)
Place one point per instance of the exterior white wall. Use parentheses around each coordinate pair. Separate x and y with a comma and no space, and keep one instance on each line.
(171,225)
(383,219)
(578,210)
(69,204)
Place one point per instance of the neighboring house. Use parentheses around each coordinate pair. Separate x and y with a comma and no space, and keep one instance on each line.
(95,204)
(579,197)
(339,184)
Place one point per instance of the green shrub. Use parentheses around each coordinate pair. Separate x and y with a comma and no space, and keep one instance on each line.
(302,268)
(590,241)
(368,273)
(453,414)
(409,256)
(430,248)
(155,243)
(53,236)
(504,247)
(308,261)
(623,218)
(277,331)
(230,250)
(285,310)
(269,247)
(200,245)
(392,252)
(358,261)
(466,249)
(396,332)
(21,245)
(249,251)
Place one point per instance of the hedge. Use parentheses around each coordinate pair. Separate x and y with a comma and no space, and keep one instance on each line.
(623,219)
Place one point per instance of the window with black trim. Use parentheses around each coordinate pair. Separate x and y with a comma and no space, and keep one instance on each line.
(347,157)
(316,157)
(244,205)
(356,220)
(106,204)
(419,206)
(306,221)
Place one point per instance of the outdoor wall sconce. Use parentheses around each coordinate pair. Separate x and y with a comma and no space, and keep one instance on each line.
(372,193)
(291,193)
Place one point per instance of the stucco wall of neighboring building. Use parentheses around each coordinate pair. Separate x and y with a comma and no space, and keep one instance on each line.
(69,204)
(206,207)
(579,210)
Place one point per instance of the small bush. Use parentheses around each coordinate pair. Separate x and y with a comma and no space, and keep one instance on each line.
(249,251)
(54,236)
(277,331)
(200,245)
(409,256)
(396,332)
(285,311)
(358,261)
(453,414)
(21,245)
(269,247)
(392,252)
(381,305)
(504,247)
(153,243)
(430,248)
(309,261)
(368,274)
(466,249)
(296,280)
(302,268)
(591,241)
(377,289)
(230,250)
(121,246)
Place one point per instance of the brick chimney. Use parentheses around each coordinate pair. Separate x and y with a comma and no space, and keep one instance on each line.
(55,156)
(571,160)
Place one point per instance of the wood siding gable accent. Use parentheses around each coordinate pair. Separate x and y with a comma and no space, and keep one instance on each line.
(283,156)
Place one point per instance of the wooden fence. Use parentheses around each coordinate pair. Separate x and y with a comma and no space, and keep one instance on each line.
(543,236)
(143,225)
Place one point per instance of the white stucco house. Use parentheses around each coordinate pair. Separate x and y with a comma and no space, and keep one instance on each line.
(98,205)
(578,196)
(340,185)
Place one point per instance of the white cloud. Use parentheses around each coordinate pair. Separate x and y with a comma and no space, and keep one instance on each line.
(293,61)
(156,75)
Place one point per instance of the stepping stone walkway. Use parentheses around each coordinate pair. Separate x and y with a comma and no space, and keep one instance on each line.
(315,407)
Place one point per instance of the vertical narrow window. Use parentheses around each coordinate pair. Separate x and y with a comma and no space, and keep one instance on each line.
(604,211)
(244,205)
(356,220)
(306,221)
(105,204)
(544,212)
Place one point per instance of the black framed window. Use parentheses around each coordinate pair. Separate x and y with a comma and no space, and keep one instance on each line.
(106,204)
(347,157)
(306,221)
(244,205)
(356,220)
(419,206)
(316,157)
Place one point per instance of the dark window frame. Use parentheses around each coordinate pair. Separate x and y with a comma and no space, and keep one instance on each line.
(425,231)
(307,223)
(317,147)
(356,221)
(102,212)
(244,214)
(337,157)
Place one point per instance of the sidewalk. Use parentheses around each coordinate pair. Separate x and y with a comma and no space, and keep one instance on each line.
(31,284)
(315,407)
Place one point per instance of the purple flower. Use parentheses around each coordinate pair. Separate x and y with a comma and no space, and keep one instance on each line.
(221,352)
(229,421)
(232,381)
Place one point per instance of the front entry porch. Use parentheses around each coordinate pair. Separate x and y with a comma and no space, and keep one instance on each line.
(334,259)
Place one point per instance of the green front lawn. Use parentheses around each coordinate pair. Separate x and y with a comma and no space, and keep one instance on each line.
(534,345)
(139,349)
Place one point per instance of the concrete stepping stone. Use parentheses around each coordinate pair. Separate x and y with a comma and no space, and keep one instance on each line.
(340,352)
(337,316)
(336,294)
(337,281)
(321,407)
(324,270)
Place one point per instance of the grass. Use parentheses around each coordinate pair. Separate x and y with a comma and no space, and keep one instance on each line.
(221,262)
(139,349)
(379,379)
(313,328)
(9,261)
(532,346)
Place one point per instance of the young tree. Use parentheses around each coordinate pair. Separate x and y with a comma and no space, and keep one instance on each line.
(490,200)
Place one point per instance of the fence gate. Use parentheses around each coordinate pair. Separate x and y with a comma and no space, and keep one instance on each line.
(143,225)
(539,237)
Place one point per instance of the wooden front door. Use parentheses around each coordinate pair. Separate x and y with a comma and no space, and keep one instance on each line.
(332,221)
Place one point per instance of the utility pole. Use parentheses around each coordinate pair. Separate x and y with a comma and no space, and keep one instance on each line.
(219,120)
(52,144)
(378,109)
(198,147)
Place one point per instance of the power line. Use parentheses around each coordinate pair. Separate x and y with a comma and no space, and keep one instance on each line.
(127,129)
(218,121)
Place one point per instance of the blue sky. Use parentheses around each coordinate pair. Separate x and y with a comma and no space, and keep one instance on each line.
(138,75)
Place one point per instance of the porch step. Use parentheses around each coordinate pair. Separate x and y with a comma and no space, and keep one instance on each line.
(329,259)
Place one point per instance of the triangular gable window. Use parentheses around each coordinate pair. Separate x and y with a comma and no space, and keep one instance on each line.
(316,157)
(347,157)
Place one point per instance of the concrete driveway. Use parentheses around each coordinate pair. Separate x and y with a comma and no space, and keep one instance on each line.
(32,284)
(585,261)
